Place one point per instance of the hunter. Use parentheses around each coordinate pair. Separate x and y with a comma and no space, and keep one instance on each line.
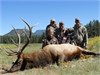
(80,34)
(52,24)
(50,39)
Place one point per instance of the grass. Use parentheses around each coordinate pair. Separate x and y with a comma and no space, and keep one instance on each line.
(83,66)
(94,44)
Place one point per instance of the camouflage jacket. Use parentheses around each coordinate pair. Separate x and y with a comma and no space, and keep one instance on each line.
(80,34)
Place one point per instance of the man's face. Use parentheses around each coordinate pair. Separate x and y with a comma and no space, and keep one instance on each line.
(61,26)
(53,23)
(77,23)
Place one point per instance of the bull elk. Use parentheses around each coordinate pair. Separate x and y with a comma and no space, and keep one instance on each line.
(48,55)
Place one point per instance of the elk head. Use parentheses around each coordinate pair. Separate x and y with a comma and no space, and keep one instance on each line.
(20,49)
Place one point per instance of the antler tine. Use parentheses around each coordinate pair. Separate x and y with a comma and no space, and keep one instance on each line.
(15,31)
(10,52)
(14,42)
(28,37)
(19,42)
(25,33)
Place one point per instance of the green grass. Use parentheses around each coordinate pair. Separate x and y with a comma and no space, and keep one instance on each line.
(83,66)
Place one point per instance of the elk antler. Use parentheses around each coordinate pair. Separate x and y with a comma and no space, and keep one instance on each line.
(20,50)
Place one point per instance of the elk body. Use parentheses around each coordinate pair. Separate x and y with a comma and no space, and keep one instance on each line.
(66,52)
(50,54)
